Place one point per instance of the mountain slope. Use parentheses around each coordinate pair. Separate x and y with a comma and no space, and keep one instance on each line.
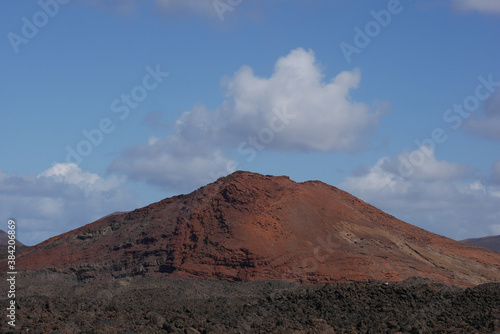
(4,239)
(492,242)
(247,227)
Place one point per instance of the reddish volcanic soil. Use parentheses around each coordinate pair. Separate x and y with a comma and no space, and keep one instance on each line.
(247,227)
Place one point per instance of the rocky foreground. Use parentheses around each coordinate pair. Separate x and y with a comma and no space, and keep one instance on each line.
(53,303)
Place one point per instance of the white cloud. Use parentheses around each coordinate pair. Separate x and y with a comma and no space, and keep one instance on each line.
(421,164)
(325,117)
(171,163)
(61,198)
(70,173)
(182,161)
(437,196)
(293,109)
(483,6)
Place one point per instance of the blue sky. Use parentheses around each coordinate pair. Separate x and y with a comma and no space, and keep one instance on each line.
(396,102)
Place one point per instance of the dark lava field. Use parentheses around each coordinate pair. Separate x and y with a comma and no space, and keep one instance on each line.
(52,303)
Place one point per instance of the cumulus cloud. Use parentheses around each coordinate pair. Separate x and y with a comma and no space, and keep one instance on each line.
(452,205)
(487,124)
(483,6)
(421,164)
(293,109)
(59,199)
(183,161)
(172,163)
(323,116)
